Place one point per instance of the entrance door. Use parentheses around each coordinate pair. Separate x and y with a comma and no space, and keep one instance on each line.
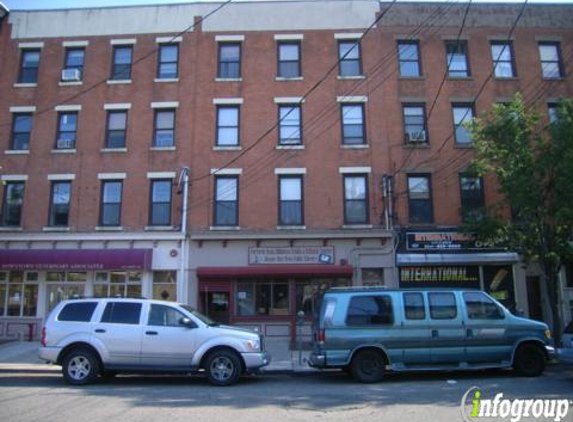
(534,298)
(216,306)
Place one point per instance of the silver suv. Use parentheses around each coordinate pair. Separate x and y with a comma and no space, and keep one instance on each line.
(101,337)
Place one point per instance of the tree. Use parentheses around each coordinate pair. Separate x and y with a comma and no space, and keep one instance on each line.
(533,165)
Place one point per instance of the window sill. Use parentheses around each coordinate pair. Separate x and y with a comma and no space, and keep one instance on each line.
(291,227)
(502,79)
(56,229)
(464,146)
(557,79)
(420,145)
(221,148)
(25,85)
(158,228)
(109,228)
(228,79)
(17,152)
(459,78)
(215,228)
(166,80)
(108,150)
(357,146)
(422,225)
(350,78)
(411,78)
(356,226)
(64,151)
(10,229)
(283,79)
(76,83)
(118,81)
(290,147)
(162,149)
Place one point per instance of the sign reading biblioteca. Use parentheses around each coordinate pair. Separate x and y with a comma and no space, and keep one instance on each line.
(291,255)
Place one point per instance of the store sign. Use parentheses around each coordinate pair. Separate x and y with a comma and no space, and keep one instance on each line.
(295,255)
(443,241)
(440,276)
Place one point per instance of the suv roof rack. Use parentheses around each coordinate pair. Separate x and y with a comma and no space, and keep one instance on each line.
(75,297)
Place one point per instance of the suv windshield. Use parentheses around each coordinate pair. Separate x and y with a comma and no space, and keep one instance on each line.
(199,315)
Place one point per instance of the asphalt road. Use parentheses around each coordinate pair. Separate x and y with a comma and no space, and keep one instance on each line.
(43,396)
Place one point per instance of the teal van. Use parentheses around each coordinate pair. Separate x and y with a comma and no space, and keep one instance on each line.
(368,331)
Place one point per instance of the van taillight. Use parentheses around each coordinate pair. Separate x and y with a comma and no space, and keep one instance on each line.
(43,340)
(321,336)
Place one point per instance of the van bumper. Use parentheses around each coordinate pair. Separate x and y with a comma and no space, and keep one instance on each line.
(255,361)
(317,360)
(49,354)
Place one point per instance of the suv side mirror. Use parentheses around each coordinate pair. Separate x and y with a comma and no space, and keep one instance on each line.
(187,322)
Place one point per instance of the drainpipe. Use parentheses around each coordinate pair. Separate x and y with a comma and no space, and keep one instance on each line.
(182,285)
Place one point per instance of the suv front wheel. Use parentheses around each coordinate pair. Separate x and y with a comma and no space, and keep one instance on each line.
(80,367)
(223,367)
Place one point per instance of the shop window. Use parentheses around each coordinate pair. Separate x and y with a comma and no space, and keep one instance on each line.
(498,282)
(64,285)
(117,284)
(309,292)
(18,293)
(165,285)
(370,310)
(373,276)
(442,306)
(262,298)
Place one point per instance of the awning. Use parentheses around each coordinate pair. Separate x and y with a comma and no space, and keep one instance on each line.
(75,259)
(462,258)
(204,273)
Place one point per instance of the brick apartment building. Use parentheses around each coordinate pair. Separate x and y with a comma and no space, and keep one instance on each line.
(243,160)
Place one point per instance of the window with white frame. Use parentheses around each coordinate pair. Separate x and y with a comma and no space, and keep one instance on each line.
(18,293)
(165,285)
(118,284)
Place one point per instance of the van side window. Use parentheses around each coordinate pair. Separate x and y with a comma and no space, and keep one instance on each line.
(414,306)
(479,306)
(77,312)
(370,310)
(442,305)
(121,313)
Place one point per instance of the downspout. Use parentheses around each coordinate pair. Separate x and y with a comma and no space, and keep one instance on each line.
(182,283)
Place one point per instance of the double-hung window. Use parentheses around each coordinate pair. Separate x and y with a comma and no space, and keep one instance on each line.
(349,56)
(228,126)
(110,209)
(353,127)
(121,68)
(290,201)
(29,64)
(226,201)
(356,199)
(502,56)
(67,128)
(290,124)
(74,64)
(21,129)
(550,55)
(289,59)
(160,202)
(116,129)
(229,60)
(420,199)
(472,197)
(168,58)
(415,123)
(457,59)
(164,135)
(409,59)
(462,114)
(12,204)
(60,203)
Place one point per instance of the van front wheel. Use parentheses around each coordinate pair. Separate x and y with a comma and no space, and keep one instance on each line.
(367,366)
(529,361)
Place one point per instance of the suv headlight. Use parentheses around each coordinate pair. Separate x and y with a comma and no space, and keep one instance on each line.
(254,345)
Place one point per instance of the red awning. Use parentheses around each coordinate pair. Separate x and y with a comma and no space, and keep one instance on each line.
(206,273)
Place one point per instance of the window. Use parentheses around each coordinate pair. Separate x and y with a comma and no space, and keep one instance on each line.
(121,68)
(442,306)
(370,310)
(164,128)
(117,284)
(29,63)
(21,129)
(160,207)
(409,59)
(349,58)
(353,128)
(12,204)
(18,293)
(110,211)
(290,125)
(168,58)
(60,203)
(415,124)
(121,313)
(67,128)
(420,200)
(262,298)
(290,201)
(552,112)
(502,55)
(164,316)
(164,285)
(74,62)
(64,285)
(550,55)
(289,60)
(356,199)
(462,114)
(226,201)
(116,129)
(309,293)
(472,197)
(414,306)
(77,312)
(457,59)
(479,306)
(228,126)
(229,61)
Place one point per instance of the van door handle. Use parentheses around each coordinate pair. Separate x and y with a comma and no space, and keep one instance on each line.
(99,330)
(151,333)
(434,333)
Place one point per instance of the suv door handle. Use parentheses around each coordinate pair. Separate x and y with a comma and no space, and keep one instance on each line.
(99,330)
(151,333)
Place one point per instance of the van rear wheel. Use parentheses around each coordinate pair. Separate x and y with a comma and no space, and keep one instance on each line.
(529,361)
(368,366)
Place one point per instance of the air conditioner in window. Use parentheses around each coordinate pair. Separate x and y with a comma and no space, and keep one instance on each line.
(65,144)
(70,75)
(416,136)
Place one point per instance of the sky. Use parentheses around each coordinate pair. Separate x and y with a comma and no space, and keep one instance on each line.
(57,4)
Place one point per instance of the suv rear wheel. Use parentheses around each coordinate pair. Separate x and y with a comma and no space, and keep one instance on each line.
(223,367)
(80,367)
(368,366)
(529,361)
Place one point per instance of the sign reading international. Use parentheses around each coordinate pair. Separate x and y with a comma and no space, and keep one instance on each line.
(440,276)
(291,255)
(439,241)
